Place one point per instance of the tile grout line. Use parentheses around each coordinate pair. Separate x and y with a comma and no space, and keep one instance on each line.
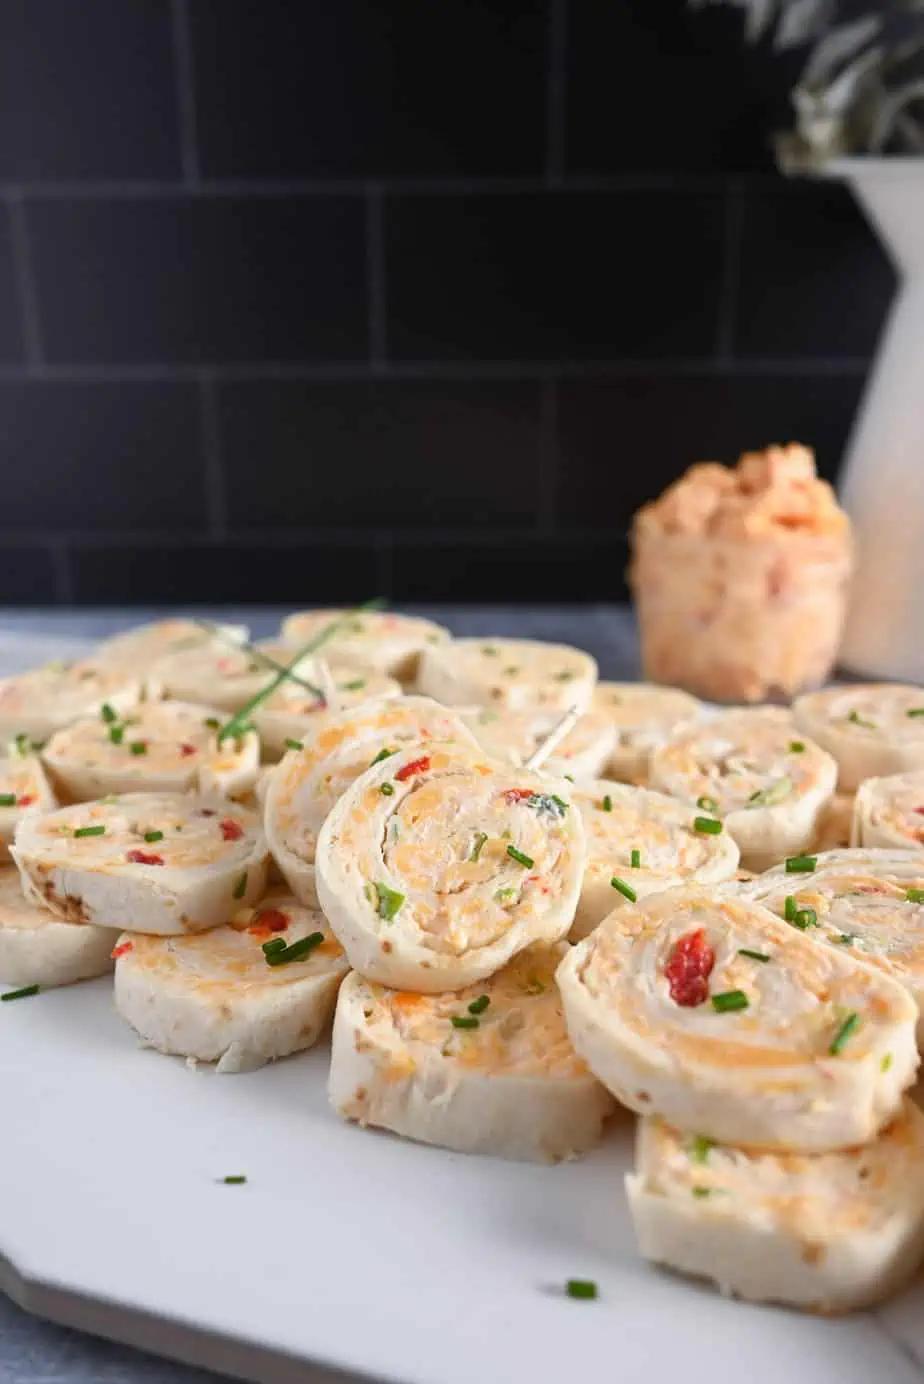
(375,278)
(24,277)
(548,454)
(212,470)
(556,56)
(184,79)
(733,231)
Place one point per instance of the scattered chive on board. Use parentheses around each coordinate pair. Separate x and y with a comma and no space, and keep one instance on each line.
(22,994)
(584,1289)
(233,1180)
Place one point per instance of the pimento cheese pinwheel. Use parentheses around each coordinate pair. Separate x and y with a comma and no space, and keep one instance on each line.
(871,729)
(889,811)
(438,865)
(213,673)
(375,639)
(644,716)
(23,789)
(516,735)
(728,1022)
(139,650)
(508,674)
(291,712)
(34,705)
(163,863)
(37,948)
(259,988)
(489,1069)
(755,772)
(828,1232)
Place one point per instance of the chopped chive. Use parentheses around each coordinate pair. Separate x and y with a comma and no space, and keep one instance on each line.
(22,994)
(708,826)
(522,859)
(857,720)
(297,951)
(240,886)
(886,1062)
(388,901)
(796,746)
(504,895)
(90,831)
(707,804)
(843,1034)
(464,1021)
(700,1148)
(625,889)
(771,795)
(116,734)
(915,711)
(846,938)
(701,1192)
(108,713)
(23,745)
(569,777)
(153,836)
(138,747)
(559,803)
(729,1001)
(581,1288)
(480,1005)
(790,908)
(565,675)
(607,803)
(387,790)
(915,895)
(382,754)
(635,860)
(754,955)
(804,918)
(801,864)
(353,686)
(293,744)
(489,651)
(547,802)
(478,847)
(512,671)
(7,799)
(234,1180)
(275,944)
(212,722)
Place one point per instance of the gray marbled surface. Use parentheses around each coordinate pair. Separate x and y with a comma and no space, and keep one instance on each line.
(36,1352)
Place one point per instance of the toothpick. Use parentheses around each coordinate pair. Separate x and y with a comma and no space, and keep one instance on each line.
(326,678)
(554,738)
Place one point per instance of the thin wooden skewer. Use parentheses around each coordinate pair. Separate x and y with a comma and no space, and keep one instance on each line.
(554,738)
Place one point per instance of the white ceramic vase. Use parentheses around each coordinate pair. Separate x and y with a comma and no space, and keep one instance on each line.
(882,482)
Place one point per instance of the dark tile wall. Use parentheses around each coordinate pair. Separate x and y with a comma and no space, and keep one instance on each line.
(307,302)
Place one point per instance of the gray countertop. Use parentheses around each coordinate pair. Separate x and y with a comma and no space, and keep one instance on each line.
(36,1352)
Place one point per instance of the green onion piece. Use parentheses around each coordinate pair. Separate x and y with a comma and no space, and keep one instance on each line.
(108,713)
(547,802)
(293,744)
(857,720)
(565,675)
(153,836)
(801,864)
(525,860)
(138,747)
(772,794)
(789,907)
(625,889)
(512,671)
(700,1148)
(886,1062)
(22,994)
(116,734)
(240,886)
(90,831)
(387,790)
(915,711)
(23,745)
(708,826)
(388,901)
(607,804)
(582,1289)
(489,651)
(796,746)
(915,895)
(569,777)
(478,847)
(707,804)
(355,686)
(7,799)
(275,944)
(754,955)
(480,1005)
(635,860)
(382,754)
(729,1001)
(849,1026)
(701,1192)
(212,722)
(463,1021)
(804,918)
(296,952)
(234,1180)
(504,895)
(559,803)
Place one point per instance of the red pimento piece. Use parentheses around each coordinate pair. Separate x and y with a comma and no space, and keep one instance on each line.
(120,950)
(688,969)
(186,750)
(416,766)
(145,858)
(518,795)
(920,810)
(272,920)
(230,829)
(25,800)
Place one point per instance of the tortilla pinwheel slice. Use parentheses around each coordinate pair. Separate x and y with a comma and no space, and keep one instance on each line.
(24,789)
(644,716)
(889,812)
(871,729)
(161,863)
(640,842)
(515,735)
(161,747)
(34,705)
(379,640)
(139,650)
(829,1232)
(508,675)
(438,866)
(37,948)
(290,713)
(341,745)
(489,1069)
(752,770)
(213,673)
(725,1020)
(259,988)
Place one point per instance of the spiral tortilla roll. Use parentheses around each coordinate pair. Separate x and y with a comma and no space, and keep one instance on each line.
(379,640)
(212,673)
(290,713)
(872,729)
(36,948)
(889,812)
(140,649)
(438,866)
(644,716)
(728,1022)
(37,703)
(516,735)
(508,675)
(24,789)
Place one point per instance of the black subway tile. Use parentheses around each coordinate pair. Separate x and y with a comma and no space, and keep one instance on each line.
(10,318)
(361,89)
(370,455)
(101,455)
(273,572)
(814,280)
(622,440)
(520,569)
(87,90)
(206,279)
(27,576)
(569,276)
